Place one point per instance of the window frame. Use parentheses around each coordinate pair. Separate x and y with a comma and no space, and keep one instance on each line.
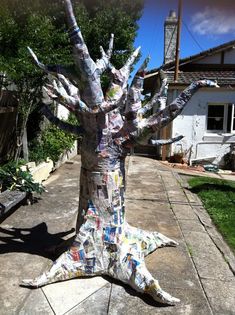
(225,118)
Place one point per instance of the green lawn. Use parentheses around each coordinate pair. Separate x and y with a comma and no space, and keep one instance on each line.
(218,197)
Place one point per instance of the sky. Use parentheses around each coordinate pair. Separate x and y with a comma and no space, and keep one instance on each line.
(205,24)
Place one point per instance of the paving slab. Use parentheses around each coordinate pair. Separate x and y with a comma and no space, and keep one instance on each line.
(188,226)
(184,211)
(63,296)
(221,295)
(95,304)
(192,198)
(14,268)
(206,256)
(148,209)
(212,259)
(36,303)
(176,196)
(145,190)
(173,267)
(125,301)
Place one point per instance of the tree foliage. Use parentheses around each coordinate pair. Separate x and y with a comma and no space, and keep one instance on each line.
(37,31)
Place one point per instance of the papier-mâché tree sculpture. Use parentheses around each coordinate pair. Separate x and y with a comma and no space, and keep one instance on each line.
(105,244)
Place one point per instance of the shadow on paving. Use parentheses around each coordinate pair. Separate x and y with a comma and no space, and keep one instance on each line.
(36,240)
(207,186)
(144,297)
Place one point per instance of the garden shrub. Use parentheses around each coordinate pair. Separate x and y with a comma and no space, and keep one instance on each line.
(52,144)
(12,177)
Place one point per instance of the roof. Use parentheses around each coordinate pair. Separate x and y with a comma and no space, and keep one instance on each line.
(222,77)
(196,57)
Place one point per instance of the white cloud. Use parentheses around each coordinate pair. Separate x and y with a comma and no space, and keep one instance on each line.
(213,21)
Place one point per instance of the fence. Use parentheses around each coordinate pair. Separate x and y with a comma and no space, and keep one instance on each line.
(8,115)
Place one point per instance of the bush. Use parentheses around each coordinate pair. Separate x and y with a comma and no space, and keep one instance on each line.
(12,177)
(52,144)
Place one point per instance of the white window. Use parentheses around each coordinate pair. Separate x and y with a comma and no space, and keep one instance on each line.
(220,118)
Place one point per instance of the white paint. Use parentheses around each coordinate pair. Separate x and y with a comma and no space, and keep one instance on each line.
(192,124)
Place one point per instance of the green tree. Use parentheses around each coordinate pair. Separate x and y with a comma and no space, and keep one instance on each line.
(41,25)
(39,32)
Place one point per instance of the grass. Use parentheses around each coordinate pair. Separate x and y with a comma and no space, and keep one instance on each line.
(218,197)
(190,250)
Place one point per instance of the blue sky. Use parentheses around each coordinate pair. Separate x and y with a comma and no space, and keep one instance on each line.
(206,24)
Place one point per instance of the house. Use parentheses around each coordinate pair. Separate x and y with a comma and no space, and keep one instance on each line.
(208,121)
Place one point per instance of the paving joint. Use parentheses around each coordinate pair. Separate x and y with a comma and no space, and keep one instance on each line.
(110,296)
(21,305)
(148,199)
(48,302)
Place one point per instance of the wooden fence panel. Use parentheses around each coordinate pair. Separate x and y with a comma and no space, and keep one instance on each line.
(7,134)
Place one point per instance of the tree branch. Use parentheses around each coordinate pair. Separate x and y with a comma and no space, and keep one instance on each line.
(104,63)
(91,92)
(133,141)
(159,97)
(160,142)
(53,69)
(67,94)
(133,104)
(149,126)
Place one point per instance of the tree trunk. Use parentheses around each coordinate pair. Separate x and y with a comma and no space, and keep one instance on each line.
(105,243)
(25,146)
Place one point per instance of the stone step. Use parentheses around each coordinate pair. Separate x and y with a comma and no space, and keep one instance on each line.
(9,199)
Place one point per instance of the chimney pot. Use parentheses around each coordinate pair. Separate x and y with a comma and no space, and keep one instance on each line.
(172,14)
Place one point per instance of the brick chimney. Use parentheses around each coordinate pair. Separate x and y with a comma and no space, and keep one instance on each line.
(170,35)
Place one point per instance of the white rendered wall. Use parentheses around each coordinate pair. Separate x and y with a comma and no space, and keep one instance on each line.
(192,124)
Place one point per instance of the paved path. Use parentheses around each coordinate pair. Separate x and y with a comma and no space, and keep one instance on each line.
(200,271)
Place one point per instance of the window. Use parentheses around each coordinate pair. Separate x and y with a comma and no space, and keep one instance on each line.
(221,118)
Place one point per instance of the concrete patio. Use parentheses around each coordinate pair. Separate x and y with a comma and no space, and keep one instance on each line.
(200,271)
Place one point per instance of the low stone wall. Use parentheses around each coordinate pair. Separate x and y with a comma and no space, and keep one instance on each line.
(67,155)
(42,171)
